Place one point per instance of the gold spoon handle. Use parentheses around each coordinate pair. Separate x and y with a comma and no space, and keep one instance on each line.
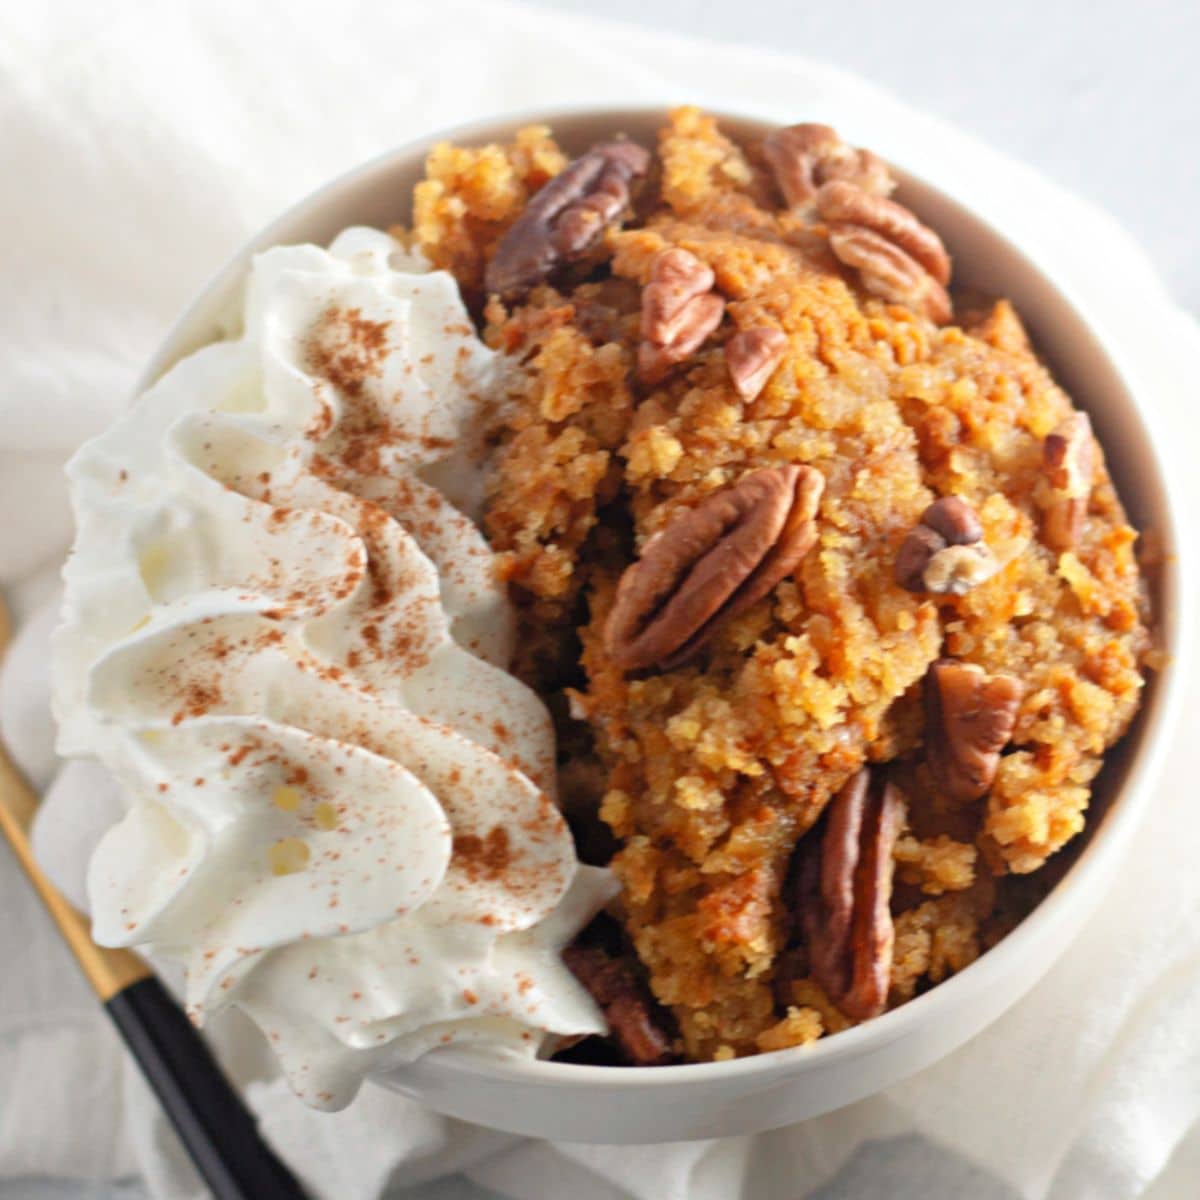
(108,971)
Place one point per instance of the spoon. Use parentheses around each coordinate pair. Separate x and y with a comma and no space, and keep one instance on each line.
(218,1131)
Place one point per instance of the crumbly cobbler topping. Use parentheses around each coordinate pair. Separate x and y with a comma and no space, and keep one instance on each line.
(828,587)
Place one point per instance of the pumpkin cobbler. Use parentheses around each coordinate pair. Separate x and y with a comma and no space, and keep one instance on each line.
(820,573)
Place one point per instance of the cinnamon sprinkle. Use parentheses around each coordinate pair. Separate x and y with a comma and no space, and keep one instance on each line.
(483,858)
(347,349)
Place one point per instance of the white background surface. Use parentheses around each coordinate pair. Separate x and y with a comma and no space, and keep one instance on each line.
(1104,97)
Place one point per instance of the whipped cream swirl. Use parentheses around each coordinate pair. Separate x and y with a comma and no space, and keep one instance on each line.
(283,636)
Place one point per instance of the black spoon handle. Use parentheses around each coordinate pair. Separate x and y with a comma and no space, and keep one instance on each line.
(214,1125)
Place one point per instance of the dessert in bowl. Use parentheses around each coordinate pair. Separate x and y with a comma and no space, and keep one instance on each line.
(662,466)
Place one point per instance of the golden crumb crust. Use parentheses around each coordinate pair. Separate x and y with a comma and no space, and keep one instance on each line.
(714,770)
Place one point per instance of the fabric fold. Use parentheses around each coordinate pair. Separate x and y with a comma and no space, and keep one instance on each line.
(146,146)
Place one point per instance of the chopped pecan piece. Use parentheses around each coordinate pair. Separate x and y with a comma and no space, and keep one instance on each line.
(969,719)
(955,570)
(752,356)
(567,217)
(945,553)
(637,1022)
(916,553)
(1069,463)
(803,157)
(897,258)
(679,310)
(954,519)
(844,888)
(711,563)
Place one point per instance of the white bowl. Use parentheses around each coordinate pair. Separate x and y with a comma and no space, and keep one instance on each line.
(652,1104)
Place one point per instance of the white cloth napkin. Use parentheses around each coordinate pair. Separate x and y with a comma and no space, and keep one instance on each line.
(141,144)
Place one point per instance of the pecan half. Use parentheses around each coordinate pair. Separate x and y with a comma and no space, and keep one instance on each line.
(567,217)
(887,272)
(711,563)
(803,157)
(844,886)
(844,204)
(945,553)
(969,719)
(636,1021)
(752,356)
(1069,464)
(897,258)
(679,310)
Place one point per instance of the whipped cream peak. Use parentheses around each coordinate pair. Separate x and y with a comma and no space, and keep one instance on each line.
(283,635)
